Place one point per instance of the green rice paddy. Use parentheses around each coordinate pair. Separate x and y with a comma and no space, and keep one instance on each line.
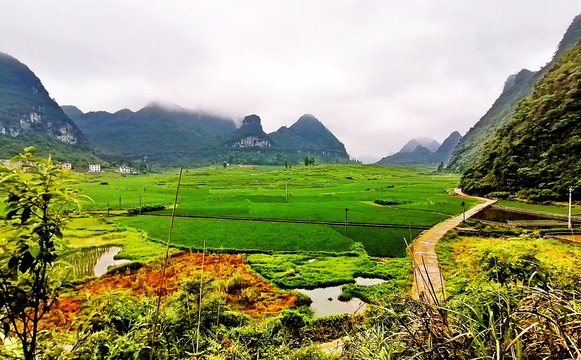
(416,197)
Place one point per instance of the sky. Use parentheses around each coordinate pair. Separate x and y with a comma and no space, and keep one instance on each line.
(375,73)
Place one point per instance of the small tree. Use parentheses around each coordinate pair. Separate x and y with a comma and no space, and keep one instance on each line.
(37,205)
(441,167)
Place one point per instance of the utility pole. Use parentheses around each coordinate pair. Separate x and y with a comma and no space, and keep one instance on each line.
(463,212)
(569,216)
(346,209)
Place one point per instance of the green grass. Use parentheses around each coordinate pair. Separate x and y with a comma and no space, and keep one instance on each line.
(561,208)
(242,235)
(320,193)
(318,270)
(463,258)
(382,242)
(90,232)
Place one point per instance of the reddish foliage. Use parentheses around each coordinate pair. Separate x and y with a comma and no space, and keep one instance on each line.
(146,280)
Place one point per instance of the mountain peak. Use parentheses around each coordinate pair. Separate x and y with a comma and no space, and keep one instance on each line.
(163,106)
(252,120)
(426,142)
(27,108)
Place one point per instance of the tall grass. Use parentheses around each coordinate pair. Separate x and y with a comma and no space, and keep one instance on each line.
(508,323)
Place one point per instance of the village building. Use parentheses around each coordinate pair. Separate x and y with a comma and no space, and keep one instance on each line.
(126,170)
(64,165)
(94,168)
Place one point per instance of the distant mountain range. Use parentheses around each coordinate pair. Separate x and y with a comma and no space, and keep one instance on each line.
(28,116)
(423,151)
(176,136)
(157,134)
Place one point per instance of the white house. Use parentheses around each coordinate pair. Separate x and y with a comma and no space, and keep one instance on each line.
(94,168)
(65,165)
(126,170)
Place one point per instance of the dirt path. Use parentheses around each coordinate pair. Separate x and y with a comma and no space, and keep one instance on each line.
(427,283)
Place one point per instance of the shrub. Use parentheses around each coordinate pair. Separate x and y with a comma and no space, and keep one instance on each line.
(146,208)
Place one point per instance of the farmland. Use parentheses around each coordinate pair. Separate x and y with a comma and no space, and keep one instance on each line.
(402,196)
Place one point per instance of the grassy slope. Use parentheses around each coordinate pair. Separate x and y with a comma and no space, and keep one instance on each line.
(462,257)
(88,232)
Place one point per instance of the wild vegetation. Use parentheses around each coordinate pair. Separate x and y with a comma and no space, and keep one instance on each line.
(223,303)
(37,204)
(516,88)
(29,116)
(536,154)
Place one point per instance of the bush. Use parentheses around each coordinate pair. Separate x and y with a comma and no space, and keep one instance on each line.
(293,319)
(146,208)
(512,268)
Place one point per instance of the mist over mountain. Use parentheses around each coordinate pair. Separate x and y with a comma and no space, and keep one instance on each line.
(426,142)
(427,151)
(172,136)
(516,88)
(30,117)
(537,154)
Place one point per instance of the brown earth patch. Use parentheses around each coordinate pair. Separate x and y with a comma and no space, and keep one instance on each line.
(146,280)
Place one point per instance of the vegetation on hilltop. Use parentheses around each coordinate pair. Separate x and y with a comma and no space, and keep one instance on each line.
(516,88)
(178,137)
(537,155)
(29,117)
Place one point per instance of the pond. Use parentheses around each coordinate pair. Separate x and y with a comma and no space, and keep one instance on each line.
(326,300)
(93,262)
(496,214)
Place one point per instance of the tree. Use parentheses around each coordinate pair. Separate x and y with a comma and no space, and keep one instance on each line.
(286,164)
(441,167)
(37,205)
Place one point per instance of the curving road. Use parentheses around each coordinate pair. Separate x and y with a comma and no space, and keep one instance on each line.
(428,283)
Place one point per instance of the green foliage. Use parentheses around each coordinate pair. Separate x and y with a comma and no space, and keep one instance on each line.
(317,270)
(509,323)
(37,205)
(504,268)
(29,116)
(536,154)
(146,208)
(293,319)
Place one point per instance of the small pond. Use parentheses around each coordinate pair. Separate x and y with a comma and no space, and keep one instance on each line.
(496,214)
(326,300)
(93,262)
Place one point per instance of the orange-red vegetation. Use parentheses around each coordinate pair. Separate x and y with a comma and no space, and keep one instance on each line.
(251,294)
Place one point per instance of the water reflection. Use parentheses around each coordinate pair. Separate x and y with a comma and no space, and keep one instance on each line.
(93,262)
(326,300)
(368,281)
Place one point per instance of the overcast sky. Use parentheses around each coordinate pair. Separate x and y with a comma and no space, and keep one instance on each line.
(376,73)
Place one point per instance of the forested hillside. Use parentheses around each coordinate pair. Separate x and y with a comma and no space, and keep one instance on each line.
(537,154)
(30,117)
(516,88)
